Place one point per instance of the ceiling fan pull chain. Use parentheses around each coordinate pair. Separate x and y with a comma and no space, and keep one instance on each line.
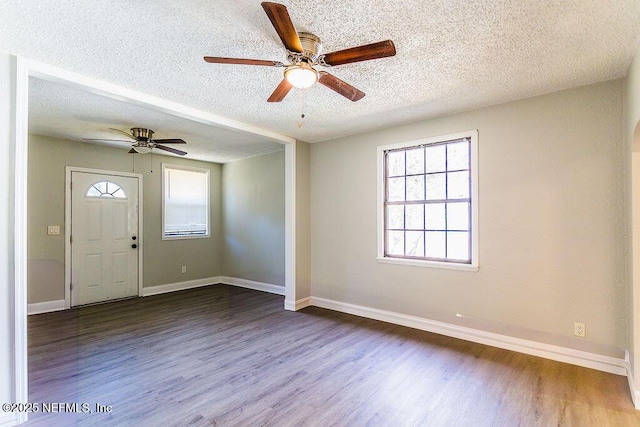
(302,107)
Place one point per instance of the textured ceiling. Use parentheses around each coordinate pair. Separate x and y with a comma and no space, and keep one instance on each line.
(453,55)
(69,113)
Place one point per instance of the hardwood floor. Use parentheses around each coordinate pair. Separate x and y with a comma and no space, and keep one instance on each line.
(229,356)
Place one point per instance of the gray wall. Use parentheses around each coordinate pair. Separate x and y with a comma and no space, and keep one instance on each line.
(253,219)
(162,260)
(551,223)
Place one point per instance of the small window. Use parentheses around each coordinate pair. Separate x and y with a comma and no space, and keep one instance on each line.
(428,208)
(185,202)
(105,189)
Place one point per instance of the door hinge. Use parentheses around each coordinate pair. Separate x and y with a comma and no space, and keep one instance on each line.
(70,286)
(70,239)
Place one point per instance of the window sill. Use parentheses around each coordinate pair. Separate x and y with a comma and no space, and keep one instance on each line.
(187,237)
(429,264)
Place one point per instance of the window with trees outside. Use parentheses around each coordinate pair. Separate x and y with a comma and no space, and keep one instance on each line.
(428,202)
(185,202)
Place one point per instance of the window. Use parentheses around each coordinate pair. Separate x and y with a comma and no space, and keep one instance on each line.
(427,213)
(185,202)
(105,189)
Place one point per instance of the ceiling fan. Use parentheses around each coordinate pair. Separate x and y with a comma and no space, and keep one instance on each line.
(144,141)
(304,52)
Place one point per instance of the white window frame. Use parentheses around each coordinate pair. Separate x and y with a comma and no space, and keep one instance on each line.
(474,265)
(191,169)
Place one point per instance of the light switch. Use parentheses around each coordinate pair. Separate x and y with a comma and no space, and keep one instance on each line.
(53,230)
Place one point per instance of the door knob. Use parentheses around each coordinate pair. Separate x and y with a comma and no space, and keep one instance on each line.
(134,246)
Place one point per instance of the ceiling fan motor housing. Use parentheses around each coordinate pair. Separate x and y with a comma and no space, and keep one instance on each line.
(142,134)
(311,48)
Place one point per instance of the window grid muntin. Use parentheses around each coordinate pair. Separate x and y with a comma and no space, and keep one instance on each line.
(105,193)
(425,202)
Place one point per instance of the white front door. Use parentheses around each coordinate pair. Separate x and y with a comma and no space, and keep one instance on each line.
(104,237)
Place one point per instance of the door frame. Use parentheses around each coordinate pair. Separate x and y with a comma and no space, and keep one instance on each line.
(67,224)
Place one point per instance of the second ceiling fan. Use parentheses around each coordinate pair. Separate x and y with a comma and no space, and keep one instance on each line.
(304,52)
(143,141)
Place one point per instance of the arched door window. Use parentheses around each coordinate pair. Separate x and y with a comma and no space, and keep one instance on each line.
(105,189)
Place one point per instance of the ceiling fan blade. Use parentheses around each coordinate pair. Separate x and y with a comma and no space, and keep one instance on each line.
(343,88)
(241,61)
(169,141)
(169,149)
(281,21)
(281,91)
(126,133)
(361,53)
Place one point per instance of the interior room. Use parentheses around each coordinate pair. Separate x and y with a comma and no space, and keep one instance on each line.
(440,227)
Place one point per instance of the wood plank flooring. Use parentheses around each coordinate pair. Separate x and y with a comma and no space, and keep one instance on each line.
(229,356)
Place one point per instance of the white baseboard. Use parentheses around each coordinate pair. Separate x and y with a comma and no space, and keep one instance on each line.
(44,307)
(180,286)
(635,393)
(562,354)
(251,284)
(48,306)
(297,305)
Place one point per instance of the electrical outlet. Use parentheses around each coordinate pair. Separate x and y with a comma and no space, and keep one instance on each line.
(579,330)
(184,268)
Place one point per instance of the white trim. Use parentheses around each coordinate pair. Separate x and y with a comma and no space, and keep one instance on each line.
(46,306)
(473,136)
(635,397)
(179,286)
(21,373)
(380,203)
(67,223)
(425,263)
(297,305)
(67,238)
(562,354)
(49,306)
(290,223)
(207,172)
(251,284)
(635,393)
(9,419)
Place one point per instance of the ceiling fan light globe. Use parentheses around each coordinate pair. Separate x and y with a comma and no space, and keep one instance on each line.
(301,76)
(142,150)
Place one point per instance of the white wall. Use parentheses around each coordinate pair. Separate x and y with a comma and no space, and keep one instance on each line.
(253,223)
(7,283)
(632,140)
(551,223)
(303,221)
